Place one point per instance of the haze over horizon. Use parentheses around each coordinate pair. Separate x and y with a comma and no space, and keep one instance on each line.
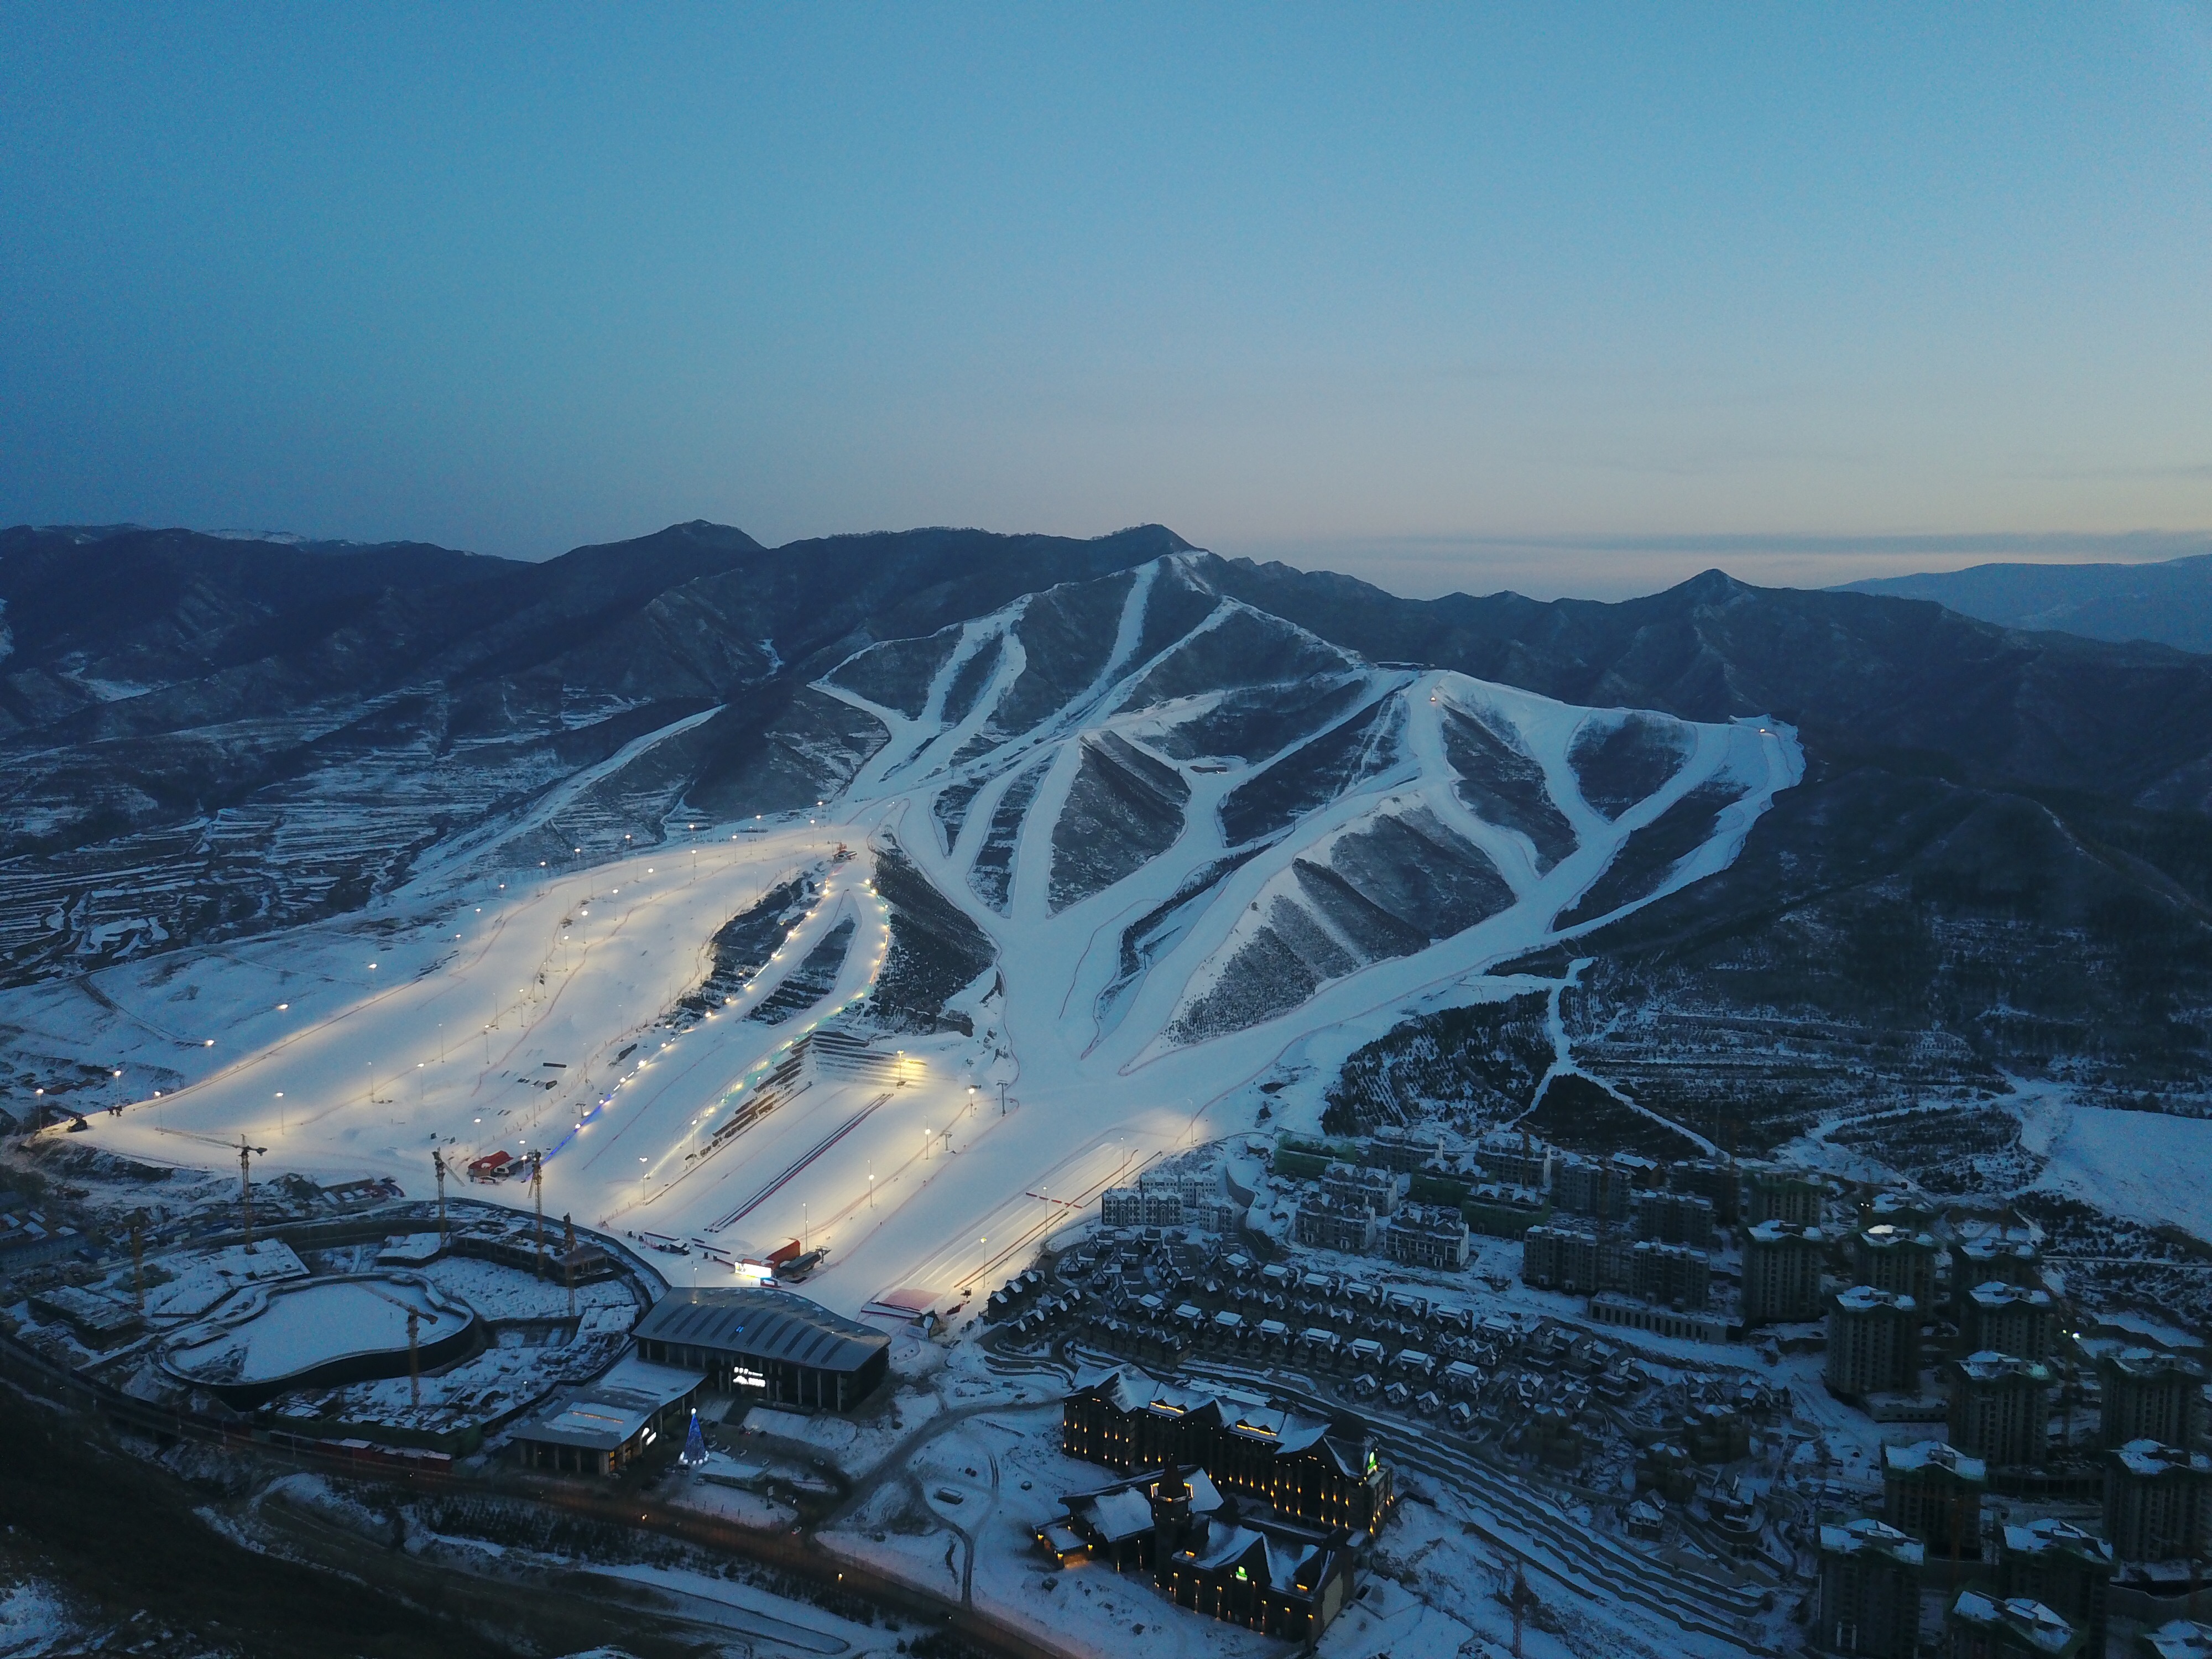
(1577,303)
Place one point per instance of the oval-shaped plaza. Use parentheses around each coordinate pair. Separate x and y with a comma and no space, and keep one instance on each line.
(320,1333)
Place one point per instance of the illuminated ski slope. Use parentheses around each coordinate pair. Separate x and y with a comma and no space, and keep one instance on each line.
(1206,849)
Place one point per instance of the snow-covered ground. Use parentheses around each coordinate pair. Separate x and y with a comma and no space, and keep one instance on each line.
(1132,1010)
(955,1516)
(36,1621)
(303,1326)
(2143,1166)
(745,1611)
(196,1280)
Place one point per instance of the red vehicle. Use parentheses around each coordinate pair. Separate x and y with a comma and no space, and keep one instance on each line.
(492,1166)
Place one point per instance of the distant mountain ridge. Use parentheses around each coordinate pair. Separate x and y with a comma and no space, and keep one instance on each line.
(263,732)
(1998,859)
(2169,603)
(1852,670)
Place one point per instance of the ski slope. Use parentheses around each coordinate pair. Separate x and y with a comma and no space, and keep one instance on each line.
(1204,849)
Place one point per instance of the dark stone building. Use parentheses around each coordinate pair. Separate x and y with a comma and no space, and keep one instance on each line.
(1208,1553)
(1309,1471)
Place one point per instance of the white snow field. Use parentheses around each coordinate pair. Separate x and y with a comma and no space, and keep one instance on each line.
(1200,847)
(2146,1166)
(300,1327)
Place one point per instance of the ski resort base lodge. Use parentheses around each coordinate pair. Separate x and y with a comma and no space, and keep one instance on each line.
(767,1346)
(1247,1511)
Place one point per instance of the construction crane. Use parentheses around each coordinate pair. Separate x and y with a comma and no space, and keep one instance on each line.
(1524,1603)
(568,1261)
(414,1344)
(438,1162)
(138,1259)
(246,1156)
(537,1193)
(193,1135)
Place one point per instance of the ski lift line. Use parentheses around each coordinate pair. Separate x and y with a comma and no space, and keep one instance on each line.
(761,1067)
(582,1123)
(1024,1235)
(1018,1237)
(799,1167)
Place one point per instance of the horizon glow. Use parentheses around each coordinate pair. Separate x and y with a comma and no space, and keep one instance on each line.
(1569,302)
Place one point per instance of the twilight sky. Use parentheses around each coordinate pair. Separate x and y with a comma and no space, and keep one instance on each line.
(1564,299)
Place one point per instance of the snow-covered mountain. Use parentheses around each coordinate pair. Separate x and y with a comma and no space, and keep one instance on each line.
(1187,802)
(1145,857)
(1179,818)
